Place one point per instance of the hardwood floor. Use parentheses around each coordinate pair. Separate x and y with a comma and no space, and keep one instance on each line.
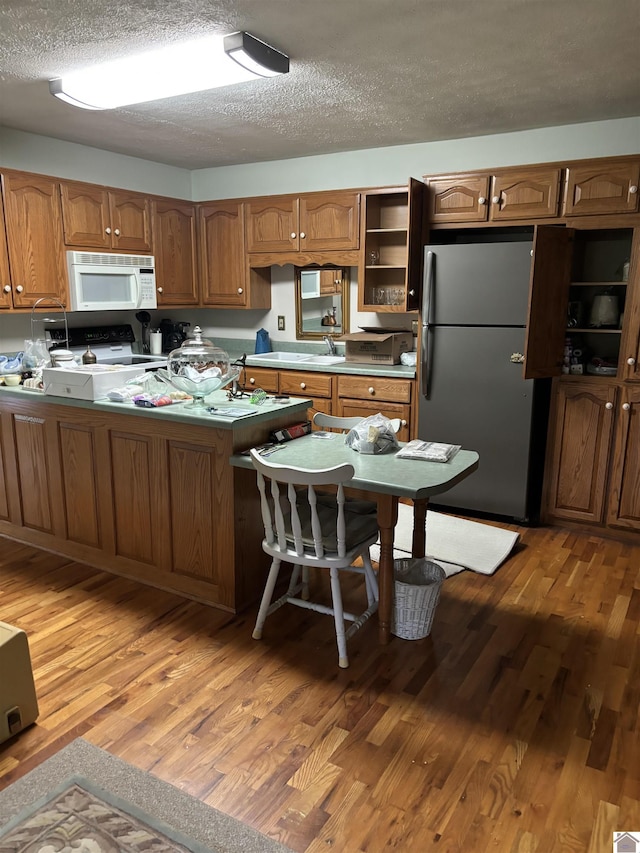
(514,727)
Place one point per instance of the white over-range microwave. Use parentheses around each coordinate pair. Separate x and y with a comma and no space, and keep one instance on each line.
(99,281)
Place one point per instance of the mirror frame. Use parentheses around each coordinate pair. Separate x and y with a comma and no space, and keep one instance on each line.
(344,295)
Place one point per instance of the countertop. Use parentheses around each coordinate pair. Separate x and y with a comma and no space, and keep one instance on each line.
(178,412)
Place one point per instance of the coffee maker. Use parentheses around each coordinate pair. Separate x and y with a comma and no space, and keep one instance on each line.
(173,334)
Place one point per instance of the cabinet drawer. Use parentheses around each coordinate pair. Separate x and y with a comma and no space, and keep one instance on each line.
(261,377)
(375,388)
(306,384)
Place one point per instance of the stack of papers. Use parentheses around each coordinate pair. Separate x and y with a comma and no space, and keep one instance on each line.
(430,451)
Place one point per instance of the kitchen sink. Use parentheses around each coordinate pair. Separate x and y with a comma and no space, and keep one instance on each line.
(277,357)
(324,359)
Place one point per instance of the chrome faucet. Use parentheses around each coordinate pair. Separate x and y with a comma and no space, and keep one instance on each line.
(331,344)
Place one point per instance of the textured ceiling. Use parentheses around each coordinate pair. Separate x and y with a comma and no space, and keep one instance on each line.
(364,73)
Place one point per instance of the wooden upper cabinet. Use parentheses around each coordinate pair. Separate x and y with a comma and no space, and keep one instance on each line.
(548,299)
(600,188)
(6,300)
(174,238)
(98,218)
(505,195)
(461,198)
(34,239)
(314,222)
(525,194)
(225,278)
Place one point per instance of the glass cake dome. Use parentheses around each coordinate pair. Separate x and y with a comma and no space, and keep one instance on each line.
(199,368)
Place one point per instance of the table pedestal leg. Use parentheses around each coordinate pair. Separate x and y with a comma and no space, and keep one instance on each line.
(387,519)
(419,531)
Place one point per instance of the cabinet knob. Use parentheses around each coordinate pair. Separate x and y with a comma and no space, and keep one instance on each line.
(19,288)
(240,290)
(633,189)
(293,235)
(403,422)
(107,230)
(252,380)
(626,407)
(160,289)
(631,361)
(372,390)
(496,199)
(7,288)
(117,232)
(412,293)
(608,405)
(302,235)
(303,385)
(482,200)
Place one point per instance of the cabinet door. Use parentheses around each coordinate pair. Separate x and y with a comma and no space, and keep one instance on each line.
(329,222)
(80,482)
(5,448)
(5,274)
(85,215)
(174,238)
(34,239)
(548,299)
(460,198)
(272,224)
(630,343)
(527,195)
(222,257)
(624,501)
(582,431)
(130,216)
(602,188)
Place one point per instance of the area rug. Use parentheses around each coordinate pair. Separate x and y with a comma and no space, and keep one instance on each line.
(454,543)
(85,800)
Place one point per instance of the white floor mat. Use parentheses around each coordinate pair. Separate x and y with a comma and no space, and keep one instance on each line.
(455,543)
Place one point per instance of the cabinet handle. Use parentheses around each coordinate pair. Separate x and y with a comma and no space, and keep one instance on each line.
(19,288)
(626,407)
(117,232)
(7,288)
(107,230)
(302,235)
(160,289)
(240,290)
(631,361)
(372,390)
(303,385)
(293,235)
(633,189)
(608,405)
(482,200)
(496,199)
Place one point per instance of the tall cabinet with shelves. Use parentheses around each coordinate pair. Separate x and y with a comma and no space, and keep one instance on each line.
(392,229)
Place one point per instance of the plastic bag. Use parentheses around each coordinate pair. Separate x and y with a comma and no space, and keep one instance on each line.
(372,435)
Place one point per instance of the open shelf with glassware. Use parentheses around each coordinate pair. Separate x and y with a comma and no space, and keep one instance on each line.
(597,297)
(392,221)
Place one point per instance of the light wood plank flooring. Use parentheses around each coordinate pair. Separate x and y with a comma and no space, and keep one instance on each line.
(514,727)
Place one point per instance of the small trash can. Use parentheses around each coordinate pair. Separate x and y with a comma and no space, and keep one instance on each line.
(417,585)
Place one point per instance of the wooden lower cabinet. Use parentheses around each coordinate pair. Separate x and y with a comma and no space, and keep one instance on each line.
(367,395)
(594,456)
(156,501)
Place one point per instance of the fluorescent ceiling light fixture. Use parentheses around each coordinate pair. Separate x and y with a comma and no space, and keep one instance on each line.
(194,66)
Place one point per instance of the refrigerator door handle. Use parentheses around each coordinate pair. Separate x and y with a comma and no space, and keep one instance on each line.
(425,362)
(425,345)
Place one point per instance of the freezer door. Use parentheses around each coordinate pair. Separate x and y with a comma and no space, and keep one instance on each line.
(477,284)
(479,400)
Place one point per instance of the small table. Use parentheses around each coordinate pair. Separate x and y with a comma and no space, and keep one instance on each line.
(383,478)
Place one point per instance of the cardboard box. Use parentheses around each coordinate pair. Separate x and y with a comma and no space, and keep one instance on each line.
(373,348)
(89,382)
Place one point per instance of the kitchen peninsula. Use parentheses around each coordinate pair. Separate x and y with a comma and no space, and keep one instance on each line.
(147,494)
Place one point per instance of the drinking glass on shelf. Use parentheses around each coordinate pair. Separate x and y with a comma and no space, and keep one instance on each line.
(398,295)
(373,257)
(381,296)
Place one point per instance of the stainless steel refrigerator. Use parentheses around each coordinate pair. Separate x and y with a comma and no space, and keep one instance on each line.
(474,311)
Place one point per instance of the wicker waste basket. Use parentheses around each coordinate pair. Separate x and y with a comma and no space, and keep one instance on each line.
(417,585)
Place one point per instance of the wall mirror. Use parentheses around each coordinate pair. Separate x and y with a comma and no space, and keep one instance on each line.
(322,301)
